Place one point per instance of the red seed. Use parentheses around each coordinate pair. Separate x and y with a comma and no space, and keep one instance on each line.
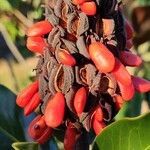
(33,104)
(141,85)
(127,91)
(36,44)
(98,114)
(80,100)
(118,101)
(66,59)
(39,131)
(89,8)
(78,2)
(54,112)
(102,57)
(129,44)
(26,95)
(129,29)
(121,74)
(130,59)
(70,137)
(39,28)
(98,126)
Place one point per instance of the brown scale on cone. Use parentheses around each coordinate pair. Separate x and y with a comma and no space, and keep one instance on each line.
(80,67)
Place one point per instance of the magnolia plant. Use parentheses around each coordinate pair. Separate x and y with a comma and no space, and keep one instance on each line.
(84,47)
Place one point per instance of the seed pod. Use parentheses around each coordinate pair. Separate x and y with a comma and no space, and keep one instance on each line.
(25,95)
(102,57)
(118,101)
(121,74)
(70,137)
(66,59)
(98,114)
(127,91)
(33,104)
(36,44)
(80,100)
(129,30)
(39,29)
(141,85)
(89,8)
(39,131)
(98,126)
(54,112)
(130,59)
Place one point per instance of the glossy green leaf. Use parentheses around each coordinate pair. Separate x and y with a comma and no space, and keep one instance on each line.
(10,126)
(126,134)
(25,146)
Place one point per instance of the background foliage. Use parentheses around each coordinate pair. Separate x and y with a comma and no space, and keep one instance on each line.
(16,65)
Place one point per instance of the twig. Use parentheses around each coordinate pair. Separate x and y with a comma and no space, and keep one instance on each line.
(22,18)
(10,44)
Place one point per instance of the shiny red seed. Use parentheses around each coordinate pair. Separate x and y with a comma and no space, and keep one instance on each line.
(121,74)
(39,131)
(80,100)
(129,29)
(98,126)
(130,59)
(127,91)
(33,104)
(118,101)
(89,8)
(54,112)
(78,2)
(70,137)
(141,85)
(26,95)
(39,28)
(129,44)
(102,57)
(36,44)
(66,59)
(98,114)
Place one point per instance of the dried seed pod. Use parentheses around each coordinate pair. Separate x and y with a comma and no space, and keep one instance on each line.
(33,104)
(39,131)
(39,29)
(141,85)
(54,112)
(80,100)
(89,8)
(121,74)
(26,95)
(130,59)
(102,57)
(36,44)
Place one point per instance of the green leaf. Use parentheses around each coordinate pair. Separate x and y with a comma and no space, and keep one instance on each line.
(10,127)
(25,146)
(125,134)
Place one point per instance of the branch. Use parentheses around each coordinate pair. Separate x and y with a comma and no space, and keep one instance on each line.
(10,44)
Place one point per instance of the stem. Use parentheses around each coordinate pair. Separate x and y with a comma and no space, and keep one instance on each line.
(8,135)
(10,44)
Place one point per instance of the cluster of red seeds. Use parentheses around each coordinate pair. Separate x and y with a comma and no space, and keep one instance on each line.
(114,83)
